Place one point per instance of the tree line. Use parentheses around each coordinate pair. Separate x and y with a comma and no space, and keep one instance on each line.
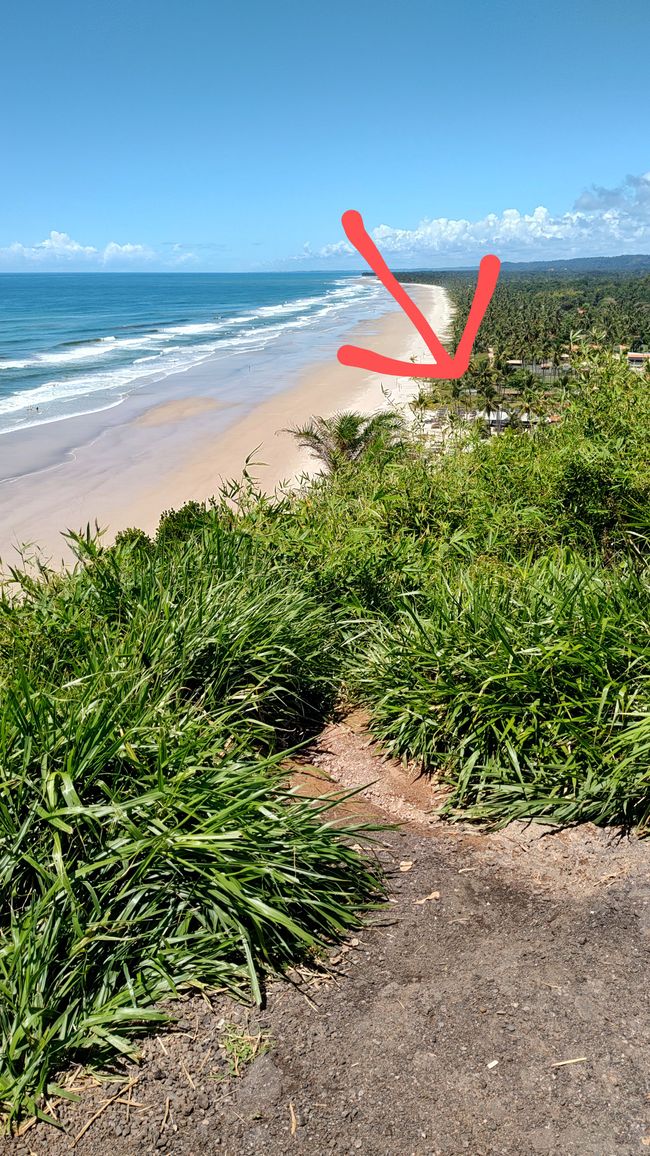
(532,316)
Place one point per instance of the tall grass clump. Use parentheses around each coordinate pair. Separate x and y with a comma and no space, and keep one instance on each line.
(526,686)
(147,839)
(207,616)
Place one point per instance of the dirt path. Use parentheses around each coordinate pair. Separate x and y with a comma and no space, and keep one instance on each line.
(444,1028)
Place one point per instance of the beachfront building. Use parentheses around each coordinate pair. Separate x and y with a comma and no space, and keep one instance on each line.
(496,419)
(638,360)
(438,424)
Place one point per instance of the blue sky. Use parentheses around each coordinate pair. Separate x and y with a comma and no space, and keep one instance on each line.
(224,136)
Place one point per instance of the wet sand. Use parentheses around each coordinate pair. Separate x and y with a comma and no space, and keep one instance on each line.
(175,411)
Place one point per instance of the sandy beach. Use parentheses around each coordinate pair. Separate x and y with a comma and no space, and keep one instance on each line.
(174,442)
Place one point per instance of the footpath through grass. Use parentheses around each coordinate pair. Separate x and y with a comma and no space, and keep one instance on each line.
(490,608)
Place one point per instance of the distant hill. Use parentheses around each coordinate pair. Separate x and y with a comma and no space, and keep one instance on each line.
(625,263)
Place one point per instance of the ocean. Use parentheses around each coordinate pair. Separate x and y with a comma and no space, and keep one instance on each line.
(72,344)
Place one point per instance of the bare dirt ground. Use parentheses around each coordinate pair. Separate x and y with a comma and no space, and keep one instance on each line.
(499,1004)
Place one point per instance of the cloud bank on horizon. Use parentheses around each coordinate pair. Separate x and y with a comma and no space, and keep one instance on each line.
(60,250)
(602,222)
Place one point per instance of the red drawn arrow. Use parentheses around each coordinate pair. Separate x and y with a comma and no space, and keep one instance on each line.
(444,365)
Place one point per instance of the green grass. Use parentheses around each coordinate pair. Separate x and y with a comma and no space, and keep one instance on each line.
(522,686)
(489,608)
(146,840)
(240,1047)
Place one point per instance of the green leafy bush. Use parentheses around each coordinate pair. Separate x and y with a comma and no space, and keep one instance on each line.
(146,843)
(521,685)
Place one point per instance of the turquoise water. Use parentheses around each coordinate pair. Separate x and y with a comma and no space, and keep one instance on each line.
(76,343)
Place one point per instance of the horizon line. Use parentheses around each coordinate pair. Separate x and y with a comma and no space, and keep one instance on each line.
(269,272)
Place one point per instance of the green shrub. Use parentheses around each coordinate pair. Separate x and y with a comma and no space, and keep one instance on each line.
(133,537)
(178,525)
(144,843)
(519,685)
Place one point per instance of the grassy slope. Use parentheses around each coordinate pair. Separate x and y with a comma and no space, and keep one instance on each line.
(497,605)
(489,608)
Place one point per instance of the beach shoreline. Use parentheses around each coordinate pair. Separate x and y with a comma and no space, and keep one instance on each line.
(164,447)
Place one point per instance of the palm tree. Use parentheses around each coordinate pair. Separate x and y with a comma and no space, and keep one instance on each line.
(346,437)
(500,362)
(485,382)
(529,393)
(437,392)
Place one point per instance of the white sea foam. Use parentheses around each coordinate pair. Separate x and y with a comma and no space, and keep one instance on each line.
(288,307)
(92,351)
(160,354)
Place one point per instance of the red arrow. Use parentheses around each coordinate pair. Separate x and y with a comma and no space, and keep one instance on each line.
(444,365)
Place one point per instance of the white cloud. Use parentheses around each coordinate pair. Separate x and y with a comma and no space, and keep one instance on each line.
(60,249)
(188,258)
(601,222)
(59,245)
(128,252)
(632,198)
(338,249)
